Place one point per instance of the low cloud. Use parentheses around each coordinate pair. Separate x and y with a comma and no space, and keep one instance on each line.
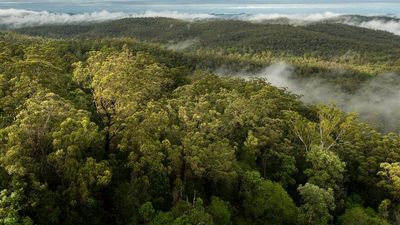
(392,26)
(174,15)
(376,100)
(295,19)
(17,18)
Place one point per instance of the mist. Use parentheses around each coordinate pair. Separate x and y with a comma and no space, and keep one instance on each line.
(19,18)
(392,26)
(293,19)
(388,24)
(376,101)
(182,45)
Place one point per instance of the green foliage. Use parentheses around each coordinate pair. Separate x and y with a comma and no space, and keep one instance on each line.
(317,204)
(47,146)
(120,82)
(119,131)
(326,168)
(220,211)
(29,138)
(390,174)
(183,214)
(361,216)
(333,41)
(332,125)
(265,201)
(11,207)
(147,211)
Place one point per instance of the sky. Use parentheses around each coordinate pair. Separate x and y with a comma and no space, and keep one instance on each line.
(23,13)
(202,1)
(210,6)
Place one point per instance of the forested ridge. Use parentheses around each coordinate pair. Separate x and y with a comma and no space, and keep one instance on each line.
(117,130)
(317,49)
(320,39)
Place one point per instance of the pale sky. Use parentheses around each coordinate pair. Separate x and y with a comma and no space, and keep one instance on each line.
(202,1)
(366,7)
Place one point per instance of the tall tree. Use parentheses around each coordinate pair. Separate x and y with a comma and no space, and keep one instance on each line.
(120,82)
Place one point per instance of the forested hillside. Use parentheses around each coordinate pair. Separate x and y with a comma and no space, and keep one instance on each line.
(349,65)
(98,127)
(315,49)
(320,39)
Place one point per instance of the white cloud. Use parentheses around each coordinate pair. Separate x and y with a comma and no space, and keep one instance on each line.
(16,18)
(293,18)
(391,26)
(174,15)
(376,101)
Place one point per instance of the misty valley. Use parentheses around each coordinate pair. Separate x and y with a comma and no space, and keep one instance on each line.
(199,119)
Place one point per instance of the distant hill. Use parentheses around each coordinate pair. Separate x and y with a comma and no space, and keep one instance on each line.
(321,39)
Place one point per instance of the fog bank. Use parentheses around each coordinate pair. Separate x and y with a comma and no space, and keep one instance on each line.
(17,18)
(392,26)
(377,101)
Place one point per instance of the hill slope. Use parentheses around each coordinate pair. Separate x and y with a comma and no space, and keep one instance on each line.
(322,39)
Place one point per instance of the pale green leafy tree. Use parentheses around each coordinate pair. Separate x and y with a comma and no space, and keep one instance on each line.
(327,132)
(390,175)
(326,168)
(10,208)
(50,136)
(120,82)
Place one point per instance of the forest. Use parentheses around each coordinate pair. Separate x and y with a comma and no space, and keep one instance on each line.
(128,123)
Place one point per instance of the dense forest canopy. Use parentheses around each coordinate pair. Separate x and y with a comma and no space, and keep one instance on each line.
(325,61)
(130,122)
